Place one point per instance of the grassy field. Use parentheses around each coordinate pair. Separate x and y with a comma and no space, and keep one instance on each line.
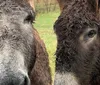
(44,24)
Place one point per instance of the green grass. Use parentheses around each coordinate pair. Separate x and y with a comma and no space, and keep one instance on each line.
(44,24)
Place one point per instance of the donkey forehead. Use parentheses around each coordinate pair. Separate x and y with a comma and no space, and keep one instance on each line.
(14,7)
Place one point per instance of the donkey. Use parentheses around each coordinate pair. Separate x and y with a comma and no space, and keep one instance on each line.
(41,74)
(78,47)
(22,52)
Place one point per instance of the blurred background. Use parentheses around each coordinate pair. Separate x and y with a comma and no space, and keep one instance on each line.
(45,6)
(47,12)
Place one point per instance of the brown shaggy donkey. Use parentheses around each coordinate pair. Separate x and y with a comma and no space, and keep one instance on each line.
(78,48)
(41,73)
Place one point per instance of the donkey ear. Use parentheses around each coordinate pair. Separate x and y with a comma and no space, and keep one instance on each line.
(40,74)
(32,4)
(61,4)
(98,8)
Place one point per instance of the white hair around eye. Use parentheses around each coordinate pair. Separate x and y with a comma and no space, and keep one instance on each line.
(88,37)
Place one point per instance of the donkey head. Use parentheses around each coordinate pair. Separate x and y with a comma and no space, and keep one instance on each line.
(78,48)
(17,44)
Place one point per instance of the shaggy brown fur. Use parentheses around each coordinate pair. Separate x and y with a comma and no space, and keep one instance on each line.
(41,73)
(62,3)
(74,55)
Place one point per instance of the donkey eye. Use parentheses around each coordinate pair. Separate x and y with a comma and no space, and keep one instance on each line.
(30,18)
(88,36)
(91,33)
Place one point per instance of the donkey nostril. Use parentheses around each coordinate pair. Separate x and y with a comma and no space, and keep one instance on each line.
(26,81)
